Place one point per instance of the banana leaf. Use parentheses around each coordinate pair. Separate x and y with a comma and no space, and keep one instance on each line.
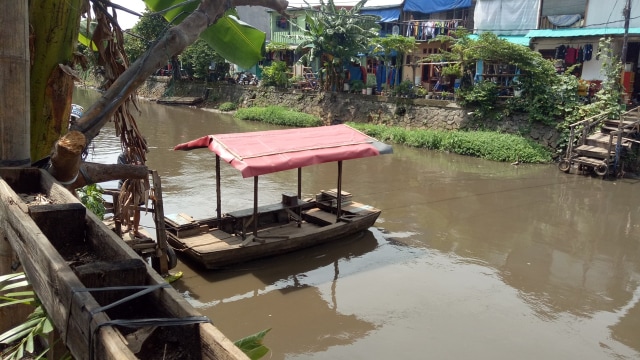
(84,37)
(236,41)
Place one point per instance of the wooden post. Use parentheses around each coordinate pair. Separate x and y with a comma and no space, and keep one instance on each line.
(161,234)
(218,200)
(14,124)
(14,99)
(339,197)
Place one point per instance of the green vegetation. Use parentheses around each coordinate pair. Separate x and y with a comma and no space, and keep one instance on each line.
(197,58)
(252,345)
(483,144)
(91,197)
(388,44)
(143,34)
(278,115)
(275,75)
(228,106)
(335,36)
(21,340)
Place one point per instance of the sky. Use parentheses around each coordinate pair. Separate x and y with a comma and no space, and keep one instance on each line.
(125,20)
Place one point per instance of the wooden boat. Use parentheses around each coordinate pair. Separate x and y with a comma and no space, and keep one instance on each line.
(104,300)
(291,224)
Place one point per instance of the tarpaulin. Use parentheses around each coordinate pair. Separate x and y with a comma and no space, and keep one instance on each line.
(386,15)
(264,152)
(434,6)
(506,17)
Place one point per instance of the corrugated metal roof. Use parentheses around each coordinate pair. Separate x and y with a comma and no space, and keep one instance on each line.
(520,40)
(578,32)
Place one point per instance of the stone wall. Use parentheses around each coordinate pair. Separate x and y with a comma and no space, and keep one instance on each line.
(341,106)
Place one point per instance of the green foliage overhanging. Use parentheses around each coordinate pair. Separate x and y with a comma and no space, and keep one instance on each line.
(278,115)
(483,144)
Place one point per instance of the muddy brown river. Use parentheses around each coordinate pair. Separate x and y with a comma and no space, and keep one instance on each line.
(470,259)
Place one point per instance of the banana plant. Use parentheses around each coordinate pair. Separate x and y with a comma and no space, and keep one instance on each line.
(21,339)
(236,41)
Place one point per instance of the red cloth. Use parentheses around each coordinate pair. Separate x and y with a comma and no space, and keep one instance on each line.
(571,56)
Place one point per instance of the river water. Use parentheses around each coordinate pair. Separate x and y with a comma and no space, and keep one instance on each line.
(470,259)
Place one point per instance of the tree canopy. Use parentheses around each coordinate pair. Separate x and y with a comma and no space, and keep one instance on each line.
(335,35)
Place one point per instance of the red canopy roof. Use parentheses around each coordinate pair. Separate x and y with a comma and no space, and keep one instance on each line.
(264,152)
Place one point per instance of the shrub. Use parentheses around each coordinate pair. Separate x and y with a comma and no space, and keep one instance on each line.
(278,115)
(228,106)
(276,75)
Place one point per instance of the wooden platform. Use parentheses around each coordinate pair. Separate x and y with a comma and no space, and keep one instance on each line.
(184,100)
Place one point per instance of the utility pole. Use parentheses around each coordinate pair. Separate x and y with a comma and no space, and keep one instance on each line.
(626,12)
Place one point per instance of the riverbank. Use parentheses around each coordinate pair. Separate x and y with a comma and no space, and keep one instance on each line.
(425,114)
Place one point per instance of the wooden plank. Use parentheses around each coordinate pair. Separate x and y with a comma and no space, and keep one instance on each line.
(184,233)
(593,151)
(125,272)
(62,224)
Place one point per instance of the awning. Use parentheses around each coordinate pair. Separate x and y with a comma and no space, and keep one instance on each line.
(265,152)
(520,40)
(578,32)
(434,6)
(386,15)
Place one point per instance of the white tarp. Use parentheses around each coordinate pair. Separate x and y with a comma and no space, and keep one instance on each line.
(338,3)
(506,17)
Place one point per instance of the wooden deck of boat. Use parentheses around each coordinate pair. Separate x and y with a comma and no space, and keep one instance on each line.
(212,247)
(218,240)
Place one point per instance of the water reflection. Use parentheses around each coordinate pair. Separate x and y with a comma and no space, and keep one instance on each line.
(476,259)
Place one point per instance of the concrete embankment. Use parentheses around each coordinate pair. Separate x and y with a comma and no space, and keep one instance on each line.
(330,106)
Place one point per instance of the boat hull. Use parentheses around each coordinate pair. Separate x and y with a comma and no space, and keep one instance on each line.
(69,254)
(213,248)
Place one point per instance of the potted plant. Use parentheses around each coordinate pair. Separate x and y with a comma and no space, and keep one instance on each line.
(357,86)
(371,83)
(421,92)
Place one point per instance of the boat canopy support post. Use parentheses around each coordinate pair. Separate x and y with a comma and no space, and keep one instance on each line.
(218,200)
(299,183)
(255,206)
(339,204)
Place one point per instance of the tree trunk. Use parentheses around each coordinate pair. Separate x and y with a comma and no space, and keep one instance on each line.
(55,27)
(173,42)
(14,77)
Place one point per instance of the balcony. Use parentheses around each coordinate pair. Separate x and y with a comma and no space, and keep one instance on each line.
(424,30)
(288,37)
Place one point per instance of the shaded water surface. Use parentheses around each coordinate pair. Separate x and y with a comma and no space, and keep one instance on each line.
(470,259)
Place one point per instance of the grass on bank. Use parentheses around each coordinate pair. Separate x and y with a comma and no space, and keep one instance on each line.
(278,115)
(483,144)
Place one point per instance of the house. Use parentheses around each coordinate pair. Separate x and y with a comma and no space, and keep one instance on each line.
(593,20)
(422,20)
